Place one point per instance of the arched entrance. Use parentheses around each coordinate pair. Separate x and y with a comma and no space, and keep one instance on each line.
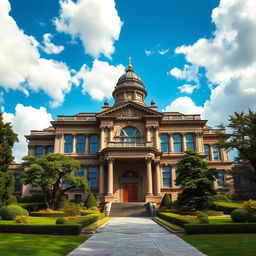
(130,186)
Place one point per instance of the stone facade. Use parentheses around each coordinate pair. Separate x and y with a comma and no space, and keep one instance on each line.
(129,151)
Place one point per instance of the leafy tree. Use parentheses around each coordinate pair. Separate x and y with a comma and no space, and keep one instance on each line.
(91,201)
(195,181)
(7,140)
(166,201)
(50,172)
(243,137)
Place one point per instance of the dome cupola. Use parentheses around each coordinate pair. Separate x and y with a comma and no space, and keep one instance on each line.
(129,87)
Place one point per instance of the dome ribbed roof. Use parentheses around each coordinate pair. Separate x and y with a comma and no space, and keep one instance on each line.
(130,77)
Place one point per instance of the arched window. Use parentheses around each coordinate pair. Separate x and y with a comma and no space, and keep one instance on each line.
(190,141)
(129,134)
(39,151)
(164,140)
(177,143)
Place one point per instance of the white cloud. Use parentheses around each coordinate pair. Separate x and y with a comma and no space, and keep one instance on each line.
(49,47)
(229,59)
(188,73)
(100,80)
(96,23)
(1,97)
(22,68)
(24,119)
(187,88)
(163,51)
(184,105)
(148,52)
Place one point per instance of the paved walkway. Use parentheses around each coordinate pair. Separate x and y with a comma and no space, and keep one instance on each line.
(134,237)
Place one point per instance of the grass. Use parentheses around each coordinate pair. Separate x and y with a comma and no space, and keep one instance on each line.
(220,220)
(168,224)
(97,224)
(33,221)
(230,204)
(223,245)
(38,245)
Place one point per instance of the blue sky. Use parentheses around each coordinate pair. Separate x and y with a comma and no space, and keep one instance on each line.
(62,57)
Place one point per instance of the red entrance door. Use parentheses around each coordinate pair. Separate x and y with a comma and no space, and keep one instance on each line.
(130,192)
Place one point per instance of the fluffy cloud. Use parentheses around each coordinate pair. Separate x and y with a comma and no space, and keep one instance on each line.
(22,68)
(24,119)
(188,73)
(163,51)
(148,52)
(96,23)
(187,88)
(229,59)
(49,47)
(184,105)
(100,80)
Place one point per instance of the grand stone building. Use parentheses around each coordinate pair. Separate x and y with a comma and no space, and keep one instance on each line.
(129,151)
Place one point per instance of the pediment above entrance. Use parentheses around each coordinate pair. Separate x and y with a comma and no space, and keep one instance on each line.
(130,110)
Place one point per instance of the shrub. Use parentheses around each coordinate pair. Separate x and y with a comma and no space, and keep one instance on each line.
(11,211)
(61,221)
(61,202)
(91,201)
(240,215)
(46,211)
(203,220)
(166,201)
(21,219)
(250,206)
(94,208)
(13,199)
(221,198)
(87,220)
(71,209)
(32,206)
(175,218)
(36,198)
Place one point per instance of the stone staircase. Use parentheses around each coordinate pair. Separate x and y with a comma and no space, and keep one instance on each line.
(138,209)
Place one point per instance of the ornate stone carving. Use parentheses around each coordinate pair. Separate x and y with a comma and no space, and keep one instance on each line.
(129,113)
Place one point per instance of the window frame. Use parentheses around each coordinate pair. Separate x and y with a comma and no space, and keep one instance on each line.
(166,170)
(208,156)
(80,145)
(175,143)
(39,155)
(189,142)
(68,144)
(164,145)
(92,178)
(93,144)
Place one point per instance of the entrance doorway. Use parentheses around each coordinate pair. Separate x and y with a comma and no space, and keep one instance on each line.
(130,192)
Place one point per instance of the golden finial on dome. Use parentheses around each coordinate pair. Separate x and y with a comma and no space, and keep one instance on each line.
(130,63)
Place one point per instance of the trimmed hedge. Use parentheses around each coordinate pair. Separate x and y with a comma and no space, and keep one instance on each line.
(87,220)
(9,212)
(174,218)
(195,213)
(220,228)
(47,214)
(41,229)
(32,206)
(225,209)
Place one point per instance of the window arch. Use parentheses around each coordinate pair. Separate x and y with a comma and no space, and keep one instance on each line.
(164,141)
(129,134)
(177,143)
(190,142)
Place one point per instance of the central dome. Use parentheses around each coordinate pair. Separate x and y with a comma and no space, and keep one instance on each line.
(129,87)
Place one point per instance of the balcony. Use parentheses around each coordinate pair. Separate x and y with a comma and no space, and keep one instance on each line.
(119,144)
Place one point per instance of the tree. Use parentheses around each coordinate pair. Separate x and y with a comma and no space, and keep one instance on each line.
(195,181)
(243,137)
(91,201)
(7,140)
(166,201)
(50,172)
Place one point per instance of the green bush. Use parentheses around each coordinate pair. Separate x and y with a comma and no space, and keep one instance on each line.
(91,201)
(220,228)
(61,221)
(21,219)
(11,211)
(223,198)
(13,199)
(175,218)
(61,202)
(32,206)
(36,198)
(87,220)
(71,209)
(48,214)
(42,229)
(166,201)
(202,218)
(240,215)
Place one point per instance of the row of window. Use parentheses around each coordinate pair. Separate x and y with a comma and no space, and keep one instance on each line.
(168,183)
(80,143)
(216,152)
(40,150)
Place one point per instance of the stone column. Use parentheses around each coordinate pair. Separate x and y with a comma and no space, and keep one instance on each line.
(86,171)
(101,178)
(149,176)
(74,143)
(87,137)
(173,176)
(111,134)
(110,176)
(184,145)
(102,137)
(57,143)
(211,152)
(31,150)
(171,149)
(61,143)
(158,183)
(156,138)
(147,134)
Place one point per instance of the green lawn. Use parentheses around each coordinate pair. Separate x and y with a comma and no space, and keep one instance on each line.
(38,245)
(33,221)
(230,204)
(219,220)
(223,245)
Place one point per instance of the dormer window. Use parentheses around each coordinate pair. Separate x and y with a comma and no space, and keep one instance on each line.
(129,134)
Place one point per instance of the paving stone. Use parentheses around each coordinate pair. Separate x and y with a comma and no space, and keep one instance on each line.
(130,236)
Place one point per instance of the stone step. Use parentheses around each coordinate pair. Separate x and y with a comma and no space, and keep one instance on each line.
(139,209)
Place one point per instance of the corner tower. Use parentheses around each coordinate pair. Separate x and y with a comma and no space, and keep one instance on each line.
(129,87)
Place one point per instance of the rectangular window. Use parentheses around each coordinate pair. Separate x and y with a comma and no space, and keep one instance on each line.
(80,172)
(94,141)
(164,141)
(216,152)
(177,143)
(39,151)
(166,177)
(68,143)
(207,151)
(80,144)
(50,149)
(220,180)
(190,142)
(92,176)
(17,183)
